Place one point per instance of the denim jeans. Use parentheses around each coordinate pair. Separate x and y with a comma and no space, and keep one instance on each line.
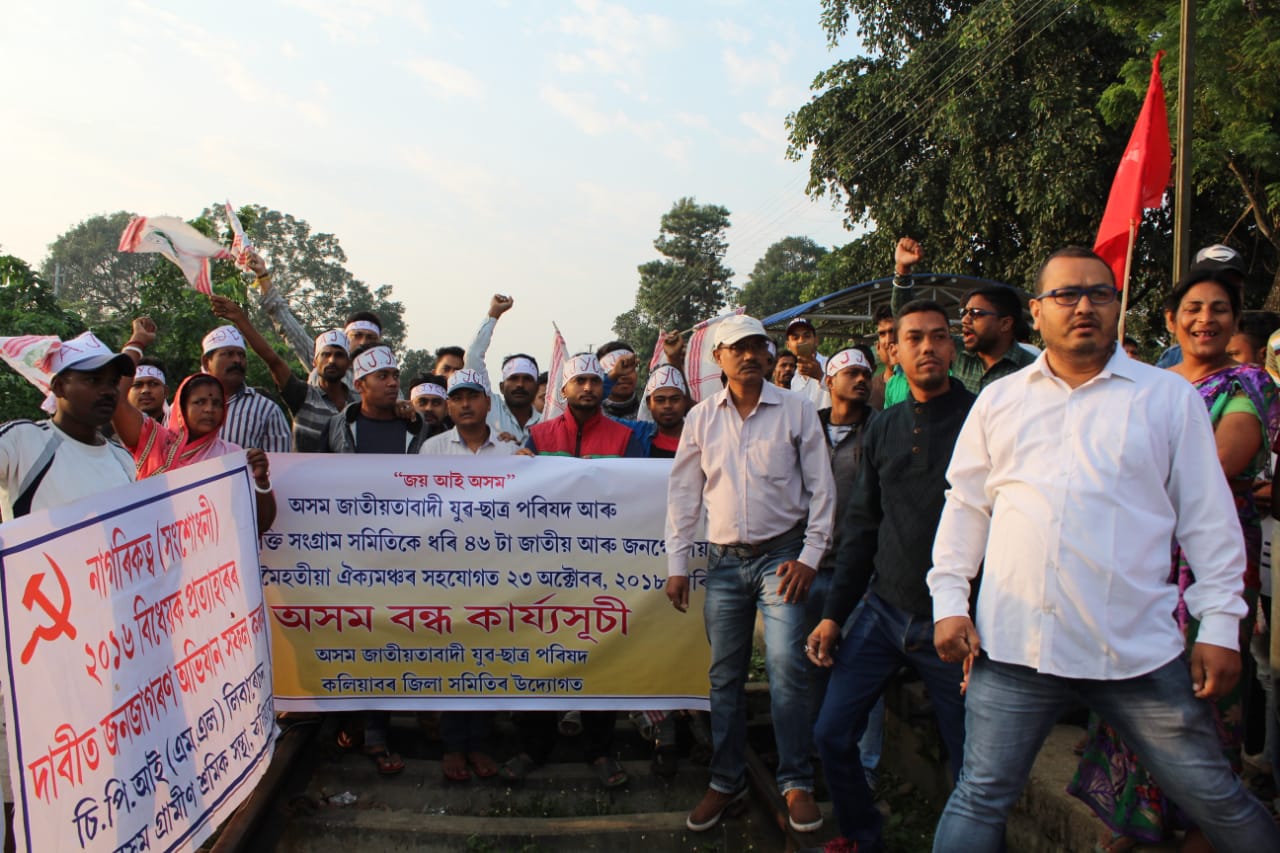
(883,639)
(1009,713)
(735,588)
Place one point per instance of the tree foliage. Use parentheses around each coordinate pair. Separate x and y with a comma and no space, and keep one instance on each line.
(690,283)
(27,307)
(91,277)
(991,130)
(786,271)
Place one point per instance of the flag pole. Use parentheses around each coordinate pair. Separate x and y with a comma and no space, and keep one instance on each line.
(1128,265)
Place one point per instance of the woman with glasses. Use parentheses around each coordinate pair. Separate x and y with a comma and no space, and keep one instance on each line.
(1203,312)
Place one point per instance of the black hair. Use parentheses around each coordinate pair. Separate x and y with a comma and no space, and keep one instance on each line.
(882,313)
(543,378)
(1130,341)
(1258,325)
(150,361)
(612,346)
(1004,299)
(432,378)
(1223,278)
(920,306)
(783,352)
(194,381)
(363,348)
(866,351)
(367,316)
(454,351)
(1072,252)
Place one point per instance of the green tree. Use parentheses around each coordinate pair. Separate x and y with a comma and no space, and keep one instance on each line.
(90,276)
(413,363)
(787,270)
(27,307)
(690,283)
(309,269)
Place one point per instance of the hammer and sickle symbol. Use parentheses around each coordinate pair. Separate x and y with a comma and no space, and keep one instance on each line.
(33,595)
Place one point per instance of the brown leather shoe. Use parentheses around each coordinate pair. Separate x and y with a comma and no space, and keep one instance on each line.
(712,807)
(802,811)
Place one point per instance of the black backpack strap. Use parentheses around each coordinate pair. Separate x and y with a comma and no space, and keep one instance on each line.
(35,475)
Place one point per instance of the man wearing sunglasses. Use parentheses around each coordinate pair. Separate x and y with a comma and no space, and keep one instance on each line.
(990,317)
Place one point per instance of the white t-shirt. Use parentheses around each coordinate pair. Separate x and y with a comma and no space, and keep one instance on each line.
(78,469)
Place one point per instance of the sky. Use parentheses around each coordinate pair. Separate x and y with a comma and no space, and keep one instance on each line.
(456,149)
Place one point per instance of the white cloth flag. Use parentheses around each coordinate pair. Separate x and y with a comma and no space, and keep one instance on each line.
(553,405)
(27,355)
(700,368)
(241,245)
(177,241)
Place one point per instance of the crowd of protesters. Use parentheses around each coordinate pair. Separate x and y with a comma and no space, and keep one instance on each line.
(1116,513)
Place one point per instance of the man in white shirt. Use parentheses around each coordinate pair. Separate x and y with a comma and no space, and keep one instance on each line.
(809,378)
(512,412)
(1070,479)
(755,457)
(468,409)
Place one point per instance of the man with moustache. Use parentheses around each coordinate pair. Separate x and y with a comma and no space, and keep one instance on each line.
(312,405)
(884,551)
(428,395)
(148,391)
(512,412)
(253,419)
(784,368)
(471,434)
(1067,484)
(753,456)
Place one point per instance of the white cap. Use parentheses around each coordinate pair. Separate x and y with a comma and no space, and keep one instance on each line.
(223,336)
(665,376)
(580,365)
(733,329)
(332,338)
(372,360)
(464,379)
(851,357)
(85,352)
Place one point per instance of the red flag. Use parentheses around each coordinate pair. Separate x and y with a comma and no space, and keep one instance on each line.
(1141,179)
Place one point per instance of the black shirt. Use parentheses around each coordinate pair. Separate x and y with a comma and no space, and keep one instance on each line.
(377,436)
(894,505)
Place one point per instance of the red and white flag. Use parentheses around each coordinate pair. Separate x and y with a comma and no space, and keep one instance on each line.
(177,241)
(241,245)
(700,368)
(554,404)
(29,355)
(1140,180)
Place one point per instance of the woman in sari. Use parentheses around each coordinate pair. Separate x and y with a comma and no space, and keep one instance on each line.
(190,436)
(1202,312)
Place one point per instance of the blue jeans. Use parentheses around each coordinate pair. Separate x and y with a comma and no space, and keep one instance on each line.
(872,741)
(882,640)
(736,587)
(1011,709)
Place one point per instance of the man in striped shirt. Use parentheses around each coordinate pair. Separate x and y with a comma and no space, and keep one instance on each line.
(253,419)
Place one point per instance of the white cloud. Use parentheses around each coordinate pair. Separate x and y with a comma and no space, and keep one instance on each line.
(690,120)
(578,108)
(569,63)
(350,20)
(617,38)
(445,79)
(744,71)
(287,50)
(732,33)
(469,183)
(768,127)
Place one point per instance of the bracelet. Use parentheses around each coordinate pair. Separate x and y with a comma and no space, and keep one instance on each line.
(131,348)
(266,274)
(134,342)
(261,490)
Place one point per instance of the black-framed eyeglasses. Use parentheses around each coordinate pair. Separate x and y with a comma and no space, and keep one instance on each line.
(1099,294)
(976,313)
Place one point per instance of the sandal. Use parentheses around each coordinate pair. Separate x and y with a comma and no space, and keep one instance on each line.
(484,766)
(346,740)
(388,763)
(455,767)
(517,768)
(609,772)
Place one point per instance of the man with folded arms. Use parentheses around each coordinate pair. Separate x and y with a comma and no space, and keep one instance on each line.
(754,456)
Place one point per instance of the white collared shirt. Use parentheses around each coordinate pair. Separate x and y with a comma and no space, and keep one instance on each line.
(451,444)
(1073,497)
(758,477)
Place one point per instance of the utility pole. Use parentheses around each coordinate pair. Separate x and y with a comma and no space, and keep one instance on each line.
(1182,183)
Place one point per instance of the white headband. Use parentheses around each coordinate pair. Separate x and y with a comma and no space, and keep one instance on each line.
(146,371)
(847,358)
(427,389)
(519,366)
(373,360)
(580,365)
(332,338)
(362,326)
(609,359)
(223,336)
(665,376)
